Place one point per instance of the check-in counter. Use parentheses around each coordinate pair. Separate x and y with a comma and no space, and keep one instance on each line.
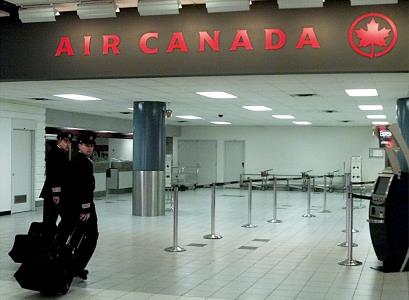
(100,168)
(119,177)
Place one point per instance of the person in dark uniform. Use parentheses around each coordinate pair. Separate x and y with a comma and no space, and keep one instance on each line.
(81,209)
(56,183)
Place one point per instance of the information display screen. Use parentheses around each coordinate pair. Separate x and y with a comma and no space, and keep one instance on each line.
(382,185)
(385,137)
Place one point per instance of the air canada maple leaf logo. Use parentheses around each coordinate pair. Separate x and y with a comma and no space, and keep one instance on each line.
(372,35)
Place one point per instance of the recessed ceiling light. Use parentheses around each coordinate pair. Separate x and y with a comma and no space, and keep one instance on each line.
(362,92)
(380,123)
(221,123)
(130,108)
(256,108)
(284,117)
(376,116)
(302,123)
(370,107)
(77,97)
(217,95)
(189,117)
(106,131)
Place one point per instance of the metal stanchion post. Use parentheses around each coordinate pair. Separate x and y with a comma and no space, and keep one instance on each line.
(213,235)
(324,206)
(175,247)
(274,219)
(349,261)
(348,188)
(250,191)
(308,214)
(360,200)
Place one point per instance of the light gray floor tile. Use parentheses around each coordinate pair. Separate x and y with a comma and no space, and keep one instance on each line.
(300,260)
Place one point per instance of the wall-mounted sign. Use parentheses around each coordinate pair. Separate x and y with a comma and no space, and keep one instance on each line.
(385,137)
(265,40)
(377,37)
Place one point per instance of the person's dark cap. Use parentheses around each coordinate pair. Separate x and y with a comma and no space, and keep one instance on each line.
(87,138)
(64,136)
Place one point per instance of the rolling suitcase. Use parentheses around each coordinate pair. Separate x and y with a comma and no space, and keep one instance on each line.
(51,271)
(39,236)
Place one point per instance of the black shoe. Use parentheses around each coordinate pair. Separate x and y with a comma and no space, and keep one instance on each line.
(82,274)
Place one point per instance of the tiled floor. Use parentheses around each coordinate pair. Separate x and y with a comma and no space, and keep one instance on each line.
(296,259)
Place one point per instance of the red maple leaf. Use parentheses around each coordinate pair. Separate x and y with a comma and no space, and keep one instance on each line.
(373,36)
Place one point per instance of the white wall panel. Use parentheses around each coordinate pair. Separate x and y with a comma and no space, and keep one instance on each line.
(290,150)
(5,163)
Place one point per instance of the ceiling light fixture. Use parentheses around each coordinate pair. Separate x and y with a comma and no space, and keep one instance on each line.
(302,123)
(34,14)
(96,9)
(283,117)
(130,108)
(257,108)
(221,123)
(372,2)
(77,97)
(376,116)
(284,4)
(370,107)
(380,123)
(189,117)
(215,6)
(217,95)
(158,7)
(362,92)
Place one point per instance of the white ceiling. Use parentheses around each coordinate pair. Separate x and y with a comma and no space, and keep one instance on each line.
(273,91)
(71,5)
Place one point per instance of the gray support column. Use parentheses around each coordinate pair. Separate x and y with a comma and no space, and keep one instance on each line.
(149,140)
(402,111)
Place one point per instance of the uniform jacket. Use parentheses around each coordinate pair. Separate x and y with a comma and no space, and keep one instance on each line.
(82,181)
(57,173)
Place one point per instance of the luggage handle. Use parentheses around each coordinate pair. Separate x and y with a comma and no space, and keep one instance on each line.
(71,236)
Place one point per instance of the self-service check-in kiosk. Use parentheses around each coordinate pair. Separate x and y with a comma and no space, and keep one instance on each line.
(389,207)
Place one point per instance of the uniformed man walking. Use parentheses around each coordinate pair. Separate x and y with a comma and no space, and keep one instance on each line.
(56,183)
(82,207)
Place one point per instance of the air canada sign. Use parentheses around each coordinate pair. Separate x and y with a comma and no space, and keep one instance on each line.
(376,39)
(275,39)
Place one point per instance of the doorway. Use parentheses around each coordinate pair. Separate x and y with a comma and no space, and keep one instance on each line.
(201,155)
(233,160)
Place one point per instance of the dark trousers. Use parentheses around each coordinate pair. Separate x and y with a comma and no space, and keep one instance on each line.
(87,244)
(50,211)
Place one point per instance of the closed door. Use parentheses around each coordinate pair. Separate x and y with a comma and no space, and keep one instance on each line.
(21,171)
(207,161)
(201,155)
(233,160)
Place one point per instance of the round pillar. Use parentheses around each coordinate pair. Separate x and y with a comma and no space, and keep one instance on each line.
(149,140)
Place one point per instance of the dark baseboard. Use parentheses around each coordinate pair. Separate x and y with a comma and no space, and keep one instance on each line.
(100,194)
(120,191)
(5,213)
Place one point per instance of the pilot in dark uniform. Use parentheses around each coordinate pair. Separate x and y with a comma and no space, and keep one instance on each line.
(81,205)
(57,171)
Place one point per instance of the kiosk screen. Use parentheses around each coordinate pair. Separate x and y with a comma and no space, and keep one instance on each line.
(382,185)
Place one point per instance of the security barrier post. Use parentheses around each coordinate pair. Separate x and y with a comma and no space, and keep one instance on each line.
(274,219)
(175,247)
(349,261)
(250,191)
(308,214)
(213,234)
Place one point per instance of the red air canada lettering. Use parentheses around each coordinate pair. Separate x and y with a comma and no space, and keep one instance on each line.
(274,39)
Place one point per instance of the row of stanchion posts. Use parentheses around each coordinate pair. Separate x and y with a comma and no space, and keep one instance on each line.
(349,261)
